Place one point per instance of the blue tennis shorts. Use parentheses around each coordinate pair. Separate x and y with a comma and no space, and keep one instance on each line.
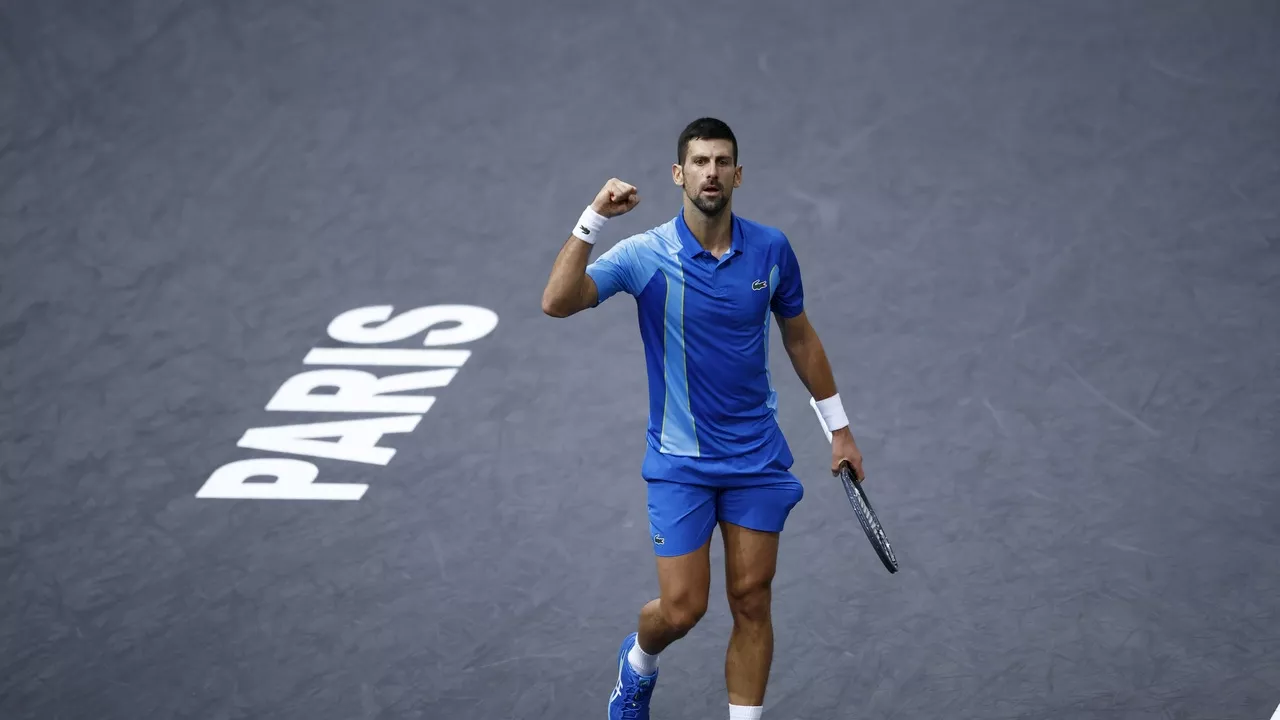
(682,515)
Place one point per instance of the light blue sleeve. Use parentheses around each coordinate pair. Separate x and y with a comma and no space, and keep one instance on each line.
(622,269)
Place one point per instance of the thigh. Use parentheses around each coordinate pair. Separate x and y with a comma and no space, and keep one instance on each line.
(684,582)
(751,520)
(750,560)
(681,521)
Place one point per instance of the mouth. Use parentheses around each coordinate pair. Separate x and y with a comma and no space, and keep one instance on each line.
(712,190)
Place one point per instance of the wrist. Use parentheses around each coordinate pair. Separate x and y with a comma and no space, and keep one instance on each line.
(832,412)
(589,225)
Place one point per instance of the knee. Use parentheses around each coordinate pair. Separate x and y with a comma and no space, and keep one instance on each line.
(749,601)
(682,612)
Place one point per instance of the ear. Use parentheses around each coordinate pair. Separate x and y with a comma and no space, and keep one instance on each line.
(737,177)
(677,174)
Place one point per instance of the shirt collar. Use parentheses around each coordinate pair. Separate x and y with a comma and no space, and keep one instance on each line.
(690,247)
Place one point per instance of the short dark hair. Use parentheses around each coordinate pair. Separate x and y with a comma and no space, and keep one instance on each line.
(705,128)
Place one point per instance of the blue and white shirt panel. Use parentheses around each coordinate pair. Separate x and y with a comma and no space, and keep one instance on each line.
(704,323)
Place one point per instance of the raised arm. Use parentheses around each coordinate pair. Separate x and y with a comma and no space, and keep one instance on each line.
(570,289)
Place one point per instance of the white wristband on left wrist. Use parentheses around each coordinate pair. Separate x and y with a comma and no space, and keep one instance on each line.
(832,411)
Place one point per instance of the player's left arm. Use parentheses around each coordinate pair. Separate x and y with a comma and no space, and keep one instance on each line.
(809,358)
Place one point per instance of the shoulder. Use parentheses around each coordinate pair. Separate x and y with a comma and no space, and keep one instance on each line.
(763,235)
(642,255)
(662,238)
(658,241)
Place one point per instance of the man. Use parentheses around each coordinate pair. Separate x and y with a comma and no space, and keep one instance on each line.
(705,284)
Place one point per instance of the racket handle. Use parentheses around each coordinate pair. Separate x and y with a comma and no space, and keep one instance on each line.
(847,467)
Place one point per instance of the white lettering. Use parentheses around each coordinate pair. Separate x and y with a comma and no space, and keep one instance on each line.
(374,325)
(473,324)
(347,390)
(358,391)
(294,480)
(395,357)
(358,443)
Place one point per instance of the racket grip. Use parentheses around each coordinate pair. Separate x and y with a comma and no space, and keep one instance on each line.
(846,469)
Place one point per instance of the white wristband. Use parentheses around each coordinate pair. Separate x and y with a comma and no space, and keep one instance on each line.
(832,412)
(589,226)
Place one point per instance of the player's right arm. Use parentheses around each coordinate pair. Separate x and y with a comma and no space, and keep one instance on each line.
(570,289)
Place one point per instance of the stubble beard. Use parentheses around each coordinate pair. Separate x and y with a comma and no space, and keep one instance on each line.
(711,207)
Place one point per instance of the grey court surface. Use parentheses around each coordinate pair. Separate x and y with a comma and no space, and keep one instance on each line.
(1041,241)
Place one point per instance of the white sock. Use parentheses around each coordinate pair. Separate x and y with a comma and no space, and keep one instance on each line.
(641,661)
(745,712)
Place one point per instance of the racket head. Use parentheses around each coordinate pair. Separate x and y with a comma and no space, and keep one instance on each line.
(867,517)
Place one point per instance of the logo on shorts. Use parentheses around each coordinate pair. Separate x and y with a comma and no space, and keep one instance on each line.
(658,539)
(759,285)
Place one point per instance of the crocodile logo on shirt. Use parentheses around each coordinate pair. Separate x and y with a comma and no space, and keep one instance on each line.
(759,285)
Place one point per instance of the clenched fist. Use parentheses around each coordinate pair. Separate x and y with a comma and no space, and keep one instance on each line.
(615,198)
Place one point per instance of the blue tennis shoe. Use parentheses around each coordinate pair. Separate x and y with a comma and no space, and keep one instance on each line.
(630,698)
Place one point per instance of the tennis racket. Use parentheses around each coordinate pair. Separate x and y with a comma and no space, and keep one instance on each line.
(862,505)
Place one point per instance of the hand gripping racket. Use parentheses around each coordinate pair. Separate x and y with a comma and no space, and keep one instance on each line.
(862,505)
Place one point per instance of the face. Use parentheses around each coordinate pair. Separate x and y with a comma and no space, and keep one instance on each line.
(708,175)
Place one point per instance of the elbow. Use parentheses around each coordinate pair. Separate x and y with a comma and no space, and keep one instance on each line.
(554,307)
(562,303)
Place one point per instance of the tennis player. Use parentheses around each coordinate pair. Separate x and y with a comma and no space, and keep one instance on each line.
(705,284)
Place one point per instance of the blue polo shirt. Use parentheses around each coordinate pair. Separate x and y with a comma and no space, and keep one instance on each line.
(705,327)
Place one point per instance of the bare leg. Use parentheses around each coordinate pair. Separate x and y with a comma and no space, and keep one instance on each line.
(751,559)
(684,583)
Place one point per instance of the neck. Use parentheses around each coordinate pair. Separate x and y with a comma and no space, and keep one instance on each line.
(713,232)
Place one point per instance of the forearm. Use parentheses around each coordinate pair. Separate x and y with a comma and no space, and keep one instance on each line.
(809,359)
(565,291)
(570,289)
